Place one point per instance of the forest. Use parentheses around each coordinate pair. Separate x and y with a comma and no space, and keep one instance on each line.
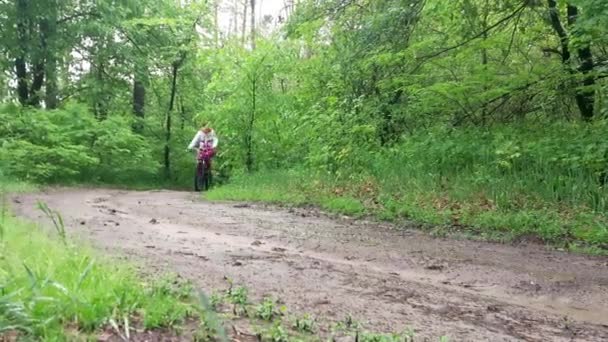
(476,118)
(478,113)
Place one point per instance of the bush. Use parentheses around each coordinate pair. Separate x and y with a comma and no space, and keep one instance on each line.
(70,145)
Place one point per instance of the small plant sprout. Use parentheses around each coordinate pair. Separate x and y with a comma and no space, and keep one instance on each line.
(350,323)
(215,301)
(305,324)
(238,297)
(268,310)
(277,333)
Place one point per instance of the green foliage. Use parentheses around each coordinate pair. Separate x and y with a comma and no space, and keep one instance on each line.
(239,298)
(344,205)
(9,185)
(268,310)
(215,301)
(276,333)
(370,337)
(508,182)
(46,286)
(123,156)
(593,22)
(550,162)
(268,186)
(210,327)
(461,113)
(238,295)
(69,144)
(56,219)
(305,324)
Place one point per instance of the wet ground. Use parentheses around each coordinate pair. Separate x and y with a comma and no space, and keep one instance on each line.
(385,277)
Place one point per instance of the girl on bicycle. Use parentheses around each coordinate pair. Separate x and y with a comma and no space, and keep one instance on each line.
(205,137)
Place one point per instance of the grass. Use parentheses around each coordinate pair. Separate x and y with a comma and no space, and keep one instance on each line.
(576,229)
(276,187)
(343,205)
(54,289)
(9,186)
(504,183)
(288,187)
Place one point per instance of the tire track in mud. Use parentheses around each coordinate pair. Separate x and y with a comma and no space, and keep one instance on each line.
(388,279)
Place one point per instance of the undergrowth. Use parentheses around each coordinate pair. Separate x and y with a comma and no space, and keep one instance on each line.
(53,289)
(507,183)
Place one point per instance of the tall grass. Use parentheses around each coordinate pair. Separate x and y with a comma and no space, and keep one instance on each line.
(545,181)
(504,182)
(561,164)
(53,289)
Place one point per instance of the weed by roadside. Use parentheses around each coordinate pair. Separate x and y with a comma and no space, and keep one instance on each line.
(473,214)
(305,324)
(272,323)
(52,288)
(268,310)
(239,299)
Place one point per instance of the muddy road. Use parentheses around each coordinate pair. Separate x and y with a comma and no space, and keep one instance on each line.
(386,278)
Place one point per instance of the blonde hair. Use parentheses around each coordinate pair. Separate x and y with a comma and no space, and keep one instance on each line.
(205,128)
(204,125)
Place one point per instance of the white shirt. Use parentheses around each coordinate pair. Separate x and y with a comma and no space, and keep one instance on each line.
(203,138)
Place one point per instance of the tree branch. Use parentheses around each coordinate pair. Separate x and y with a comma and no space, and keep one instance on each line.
(515,27)
(78,15)
(551,50)
(478,35)
(556,23)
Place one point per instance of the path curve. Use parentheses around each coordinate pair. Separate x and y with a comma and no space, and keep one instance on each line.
(386,278)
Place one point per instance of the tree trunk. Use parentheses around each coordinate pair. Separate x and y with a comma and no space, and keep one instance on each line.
(99,105)
(585,97)
(252,24)
(182,110)
(244,28)
(233,26)
(37,83)
(484,57)
(51,83)
(22,87)
(260,5)
(48,33)
(139,103)
(139,97)
(39,61)
(168,120)
(20,64)
(556,23)
(216,31)
(249,135)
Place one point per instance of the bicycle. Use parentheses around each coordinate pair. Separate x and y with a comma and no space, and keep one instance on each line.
(202,173)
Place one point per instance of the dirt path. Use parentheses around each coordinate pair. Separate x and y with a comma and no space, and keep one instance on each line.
(386,279)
